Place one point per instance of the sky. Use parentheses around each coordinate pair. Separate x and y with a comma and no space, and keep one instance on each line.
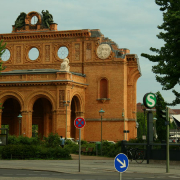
(132,24)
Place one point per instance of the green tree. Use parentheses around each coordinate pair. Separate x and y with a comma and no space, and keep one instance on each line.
(160,123)
(142,129)
(168,57)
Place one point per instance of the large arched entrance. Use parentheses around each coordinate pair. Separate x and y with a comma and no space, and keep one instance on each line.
(75,112)
(11,109)
(41,117)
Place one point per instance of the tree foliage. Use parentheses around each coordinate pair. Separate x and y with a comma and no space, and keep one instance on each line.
(160,123)
(168,57)
(142,120)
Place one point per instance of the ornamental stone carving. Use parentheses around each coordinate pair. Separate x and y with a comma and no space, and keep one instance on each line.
(65,65)
(103,51)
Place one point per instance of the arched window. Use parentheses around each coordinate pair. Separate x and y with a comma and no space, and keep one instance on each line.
(103,88)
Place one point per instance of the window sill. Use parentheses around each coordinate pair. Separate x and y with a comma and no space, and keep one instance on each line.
(103,100)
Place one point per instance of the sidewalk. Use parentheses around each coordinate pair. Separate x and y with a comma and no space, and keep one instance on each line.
(89,164)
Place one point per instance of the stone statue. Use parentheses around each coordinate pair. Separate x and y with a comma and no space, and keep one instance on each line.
(103,51)
(65,65)
(47,18)
(20,21)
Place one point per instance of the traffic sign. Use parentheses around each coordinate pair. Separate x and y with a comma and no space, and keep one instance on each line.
(79,122)
(149,100)
(121,162)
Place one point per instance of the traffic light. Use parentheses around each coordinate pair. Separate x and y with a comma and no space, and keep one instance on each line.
(164,114)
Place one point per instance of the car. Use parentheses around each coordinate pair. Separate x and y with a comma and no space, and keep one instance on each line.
(111,142)
(72,140)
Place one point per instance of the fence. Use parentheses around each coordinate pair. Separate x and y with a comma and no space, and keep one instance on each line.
(154,153)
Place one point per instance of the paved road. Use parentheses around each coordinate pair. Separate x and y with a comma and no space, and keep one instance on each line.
(48,175)
(92,167)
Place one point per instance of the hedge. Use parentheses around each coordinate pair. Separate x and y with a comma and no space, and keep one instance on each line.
(34,152)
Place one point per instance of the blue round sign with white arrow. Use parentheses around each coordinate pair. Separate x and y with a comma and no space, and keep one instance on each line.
(121,162)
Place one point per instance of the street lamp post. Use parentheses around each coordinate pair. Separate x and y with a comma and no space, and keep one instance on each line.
(154,120)
(66,104)
(101,113)
(20,118)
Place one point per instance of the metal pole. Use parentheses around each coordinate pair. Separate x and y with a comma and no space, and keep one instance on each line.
(167,141)
(144,128)
(101,135)
(144,121)
(120,175)
(79,147)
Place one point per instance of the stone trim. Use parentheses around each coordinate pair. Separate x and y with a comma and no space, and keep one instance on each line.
(42,35)
(40,83)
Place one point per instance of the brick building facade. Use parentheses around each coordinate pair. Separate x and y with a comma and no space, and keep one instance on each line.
(101,76)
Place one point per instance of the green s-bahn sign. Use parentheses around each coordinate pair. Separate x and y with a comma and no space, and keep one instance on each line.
(149,100)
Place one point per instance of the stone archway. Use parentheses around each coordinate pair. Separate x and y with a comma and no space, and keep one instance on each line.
(11,109)
(42,116)
(75,112)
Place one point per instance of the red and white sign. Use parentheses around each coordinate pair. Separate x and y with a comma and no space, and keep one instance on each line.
(79,122)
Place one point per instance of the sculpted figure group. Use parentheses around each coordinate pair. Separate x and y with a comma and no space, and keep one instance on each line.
(65,65)
(20,21)
(47,18)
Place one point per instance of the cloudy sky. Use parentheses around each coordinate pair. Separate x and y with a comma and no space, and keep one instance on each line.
(131,24)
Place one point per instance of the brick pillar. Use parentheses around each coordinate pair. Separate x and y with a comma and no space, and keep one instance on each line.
(61,122)
(54,121)
(47,123)
(26,123)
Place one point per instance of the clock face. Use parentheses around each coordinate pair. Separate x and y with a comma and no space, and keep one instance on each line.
(103,51)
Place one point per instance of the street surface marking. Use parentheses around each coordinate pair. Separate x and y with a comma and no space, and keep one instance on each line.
(173,176)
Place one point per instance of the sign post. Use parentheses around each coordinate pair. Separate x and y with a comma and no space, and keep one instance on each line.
(149,101)
(121,163)
(79,123)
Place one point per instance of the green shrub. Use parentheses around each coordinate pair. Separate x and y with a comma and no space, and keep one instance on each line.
(83,142)
(111,150)
(73,148)
(53,140)
(34,152)
(68,142)
(18,151)
(24,140)
(13,140)
(35,140)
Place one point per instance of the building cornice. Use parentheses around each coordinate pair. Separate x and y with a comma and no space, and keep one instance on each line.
(41,83)
(45,35)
